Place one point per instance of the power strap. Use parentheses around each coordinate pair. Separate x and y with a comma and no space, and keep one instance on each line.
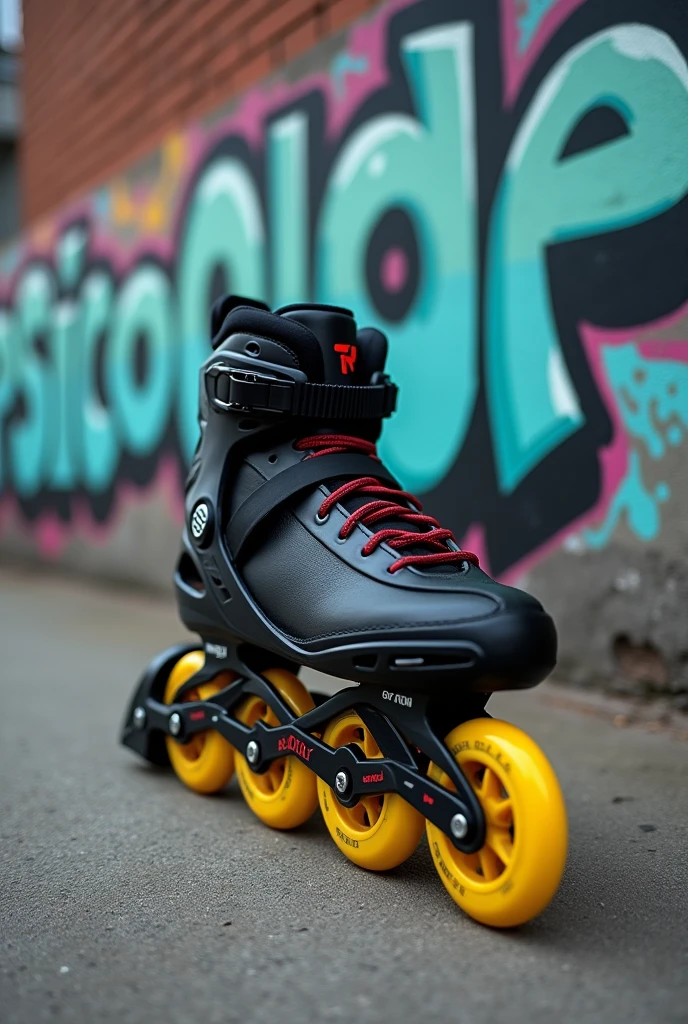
(290,481)
(231,390)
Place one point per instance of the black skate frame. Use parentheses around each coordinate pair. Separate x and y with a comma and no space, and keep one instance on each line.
(407,728)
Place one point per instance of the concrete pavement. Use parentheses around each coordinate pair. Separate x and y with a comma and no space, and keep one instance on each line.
(125,897)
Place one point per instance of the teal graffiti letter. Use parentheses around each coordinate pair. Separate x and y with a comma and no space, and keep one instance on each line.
(224,229)
(543,199)
(8,374)
(99,443)
(425,166)
(288,199)
(32,441)
(65,411)
(142,316)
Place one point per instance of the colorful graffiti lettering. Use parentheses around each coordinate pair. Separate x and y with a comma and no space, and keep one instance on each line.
(503,187)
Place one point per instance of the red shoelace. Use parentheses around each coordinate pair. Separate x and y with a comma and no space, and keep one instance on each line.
(388,505)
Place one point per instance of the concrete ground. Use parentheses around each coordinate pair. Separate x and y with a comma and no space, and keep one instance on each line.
(125,897)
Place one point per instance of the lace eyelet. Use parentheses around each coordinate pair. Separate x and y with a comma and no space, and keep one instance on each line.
(341,540)
(321,520)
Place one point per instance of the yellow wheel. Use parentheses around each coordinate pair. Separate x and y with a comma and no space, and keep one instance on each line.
(206,763)
(285,795)
(516,873)
(380,831)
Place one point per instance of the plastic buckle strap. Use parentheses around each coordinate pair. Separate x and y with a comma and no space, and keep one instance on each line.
(345,401)
(231,389)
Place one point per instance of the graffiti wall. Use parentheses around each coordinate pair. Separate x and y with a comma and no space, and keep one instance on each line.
(501,186)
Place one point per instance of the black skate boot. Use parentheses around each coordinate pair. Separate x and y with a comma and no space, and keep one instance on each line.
(301,549)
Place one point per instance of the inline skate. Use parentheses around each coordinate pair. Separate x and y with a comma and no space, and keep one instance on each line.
(301,549)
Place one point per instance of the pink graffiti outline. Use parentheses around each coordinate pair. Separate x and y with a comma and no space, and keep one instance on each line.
(52,535)
(614,457)
(516,65)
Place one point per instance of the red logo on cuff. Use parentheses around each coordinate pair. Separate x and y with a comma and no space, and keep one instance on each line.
(347,357)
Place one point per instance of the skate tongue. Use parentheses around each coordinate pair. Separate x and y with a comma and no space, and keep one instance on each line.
(335,329)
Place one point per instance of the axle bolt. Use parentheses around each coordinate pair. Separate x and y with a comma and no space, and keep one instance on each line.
(459,826)
(252,752)
(341,781)
(139,718)
(175,724)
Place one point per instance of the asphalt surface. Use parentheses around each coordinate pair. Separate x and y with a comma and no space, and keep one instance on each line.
(125,897)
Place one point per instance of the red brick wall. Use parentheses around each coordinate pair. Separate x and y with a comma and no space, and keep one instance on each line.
(105,79)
